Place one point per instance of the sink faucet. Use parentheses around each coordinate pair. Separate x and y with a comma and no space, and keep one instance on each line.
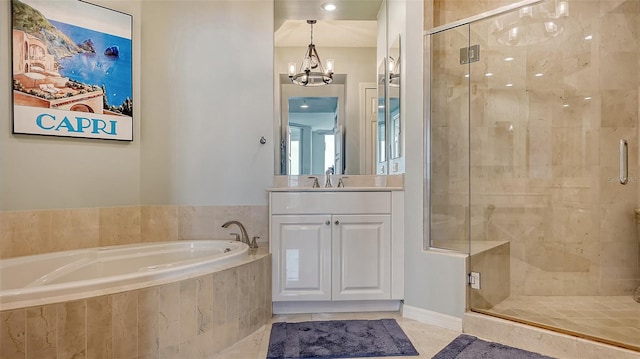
(328,174)
(245,236)
(315,181)
(341,181)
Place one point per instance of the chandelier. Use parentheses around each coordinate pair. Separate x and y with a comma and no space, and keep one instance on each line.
(311,72)
(394,72)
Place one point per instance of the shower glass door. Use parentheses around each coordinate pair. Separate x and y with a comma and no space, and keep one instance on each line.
(449,141)
(547,123)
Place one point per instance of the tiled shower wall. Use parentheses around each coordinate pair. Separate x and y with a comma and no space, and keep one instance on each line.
(544,152)
(43,231)
(193,318)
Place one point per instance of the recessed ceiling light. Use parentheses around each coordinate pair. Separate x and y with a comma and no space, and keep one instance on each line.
(565,105)
(539,74)
(304,105)
(588,98)
(508,59)
(488,74)
(509,85)
(588,37)
(466,75)
(329,6)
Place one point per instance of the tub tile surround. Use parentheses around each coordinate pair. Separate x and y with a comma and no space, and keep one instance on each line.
(43,231)
(193,318)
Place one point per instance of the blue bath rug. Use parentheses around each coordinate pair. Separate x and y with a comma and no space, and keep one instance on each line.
(338,339)
(470,347)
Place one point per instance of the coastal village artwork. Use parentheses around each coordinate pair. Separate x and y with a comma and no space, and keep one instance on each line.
(72,70)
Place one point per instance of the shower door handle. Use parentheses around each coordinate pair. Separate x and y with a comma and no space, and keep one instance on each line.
(624,162)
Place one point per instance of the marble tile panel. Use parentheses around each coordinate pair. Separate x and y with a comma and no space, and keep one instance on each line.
(222,214)
(25,233)
(125,324)
(148,322)
(619,70)
(260,223)
(231,332)
(204,222)
(72,330)
(232,294)
(620,260)
(204,304)
(619,6)
(12,334)
(158,223)
(547,62)
(244,325)
(219,314)
(611,192)
(219,337)
(100,327)
(188,311)
(169,318)
(189,348)
(204,344)
(617,223)
(256,284)
(119,225)
(75,228)
(42,332)
(620,109)
(620,31)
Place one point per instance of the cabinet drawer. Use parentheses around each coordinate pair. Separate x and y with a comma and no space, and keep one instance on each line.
(330,202)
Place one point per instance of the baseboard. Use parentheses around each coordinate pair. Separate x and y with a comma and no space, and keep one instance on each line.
(336,306)
(433,318)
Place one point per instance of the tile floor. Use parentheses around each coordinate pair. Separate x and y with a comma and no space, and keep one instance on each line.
(427,339)
(615,318)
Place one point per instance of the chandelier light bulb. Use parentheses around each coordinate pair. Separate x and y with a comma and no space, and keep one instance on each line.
(329,66)
(292,68)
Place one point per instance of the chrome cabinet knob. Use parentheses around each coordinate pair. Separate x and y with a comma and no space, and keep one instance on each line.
(337,222)
(328,222)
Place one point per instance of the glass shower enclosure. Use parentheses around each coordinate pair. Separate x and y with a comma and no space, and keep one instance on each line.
(533,162)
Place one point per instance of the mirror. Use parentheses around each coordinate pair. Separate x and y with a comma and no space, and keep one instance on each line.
(395,138)
(312,128)
(382,119)
(366,124)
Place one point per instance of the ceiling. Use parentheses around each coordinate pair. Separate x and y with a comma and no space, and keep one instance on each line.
(357,18)
(319,115)
(352,24)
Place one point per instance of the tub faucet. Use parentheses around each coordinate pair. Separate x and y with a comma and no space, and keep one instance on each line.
(245,236)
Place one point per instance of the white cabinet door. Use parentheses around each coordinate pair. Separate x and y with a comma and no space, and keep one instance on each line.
(301,254)
(361,257)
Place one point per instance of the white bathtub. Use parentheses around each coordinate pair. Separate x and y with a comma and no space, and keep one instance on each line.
(70,275)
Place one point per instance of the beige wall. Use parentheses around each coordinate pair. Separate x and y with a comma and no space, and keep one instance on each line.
(53,172)
(206,70)
(207,100)
(196,139)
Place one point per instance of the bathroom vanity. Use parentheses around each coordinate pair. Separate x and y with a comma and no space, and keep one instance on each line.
(336,249)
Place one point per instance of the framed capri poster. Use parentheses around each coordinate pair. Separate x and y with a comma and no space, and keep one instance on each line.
(72,70)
